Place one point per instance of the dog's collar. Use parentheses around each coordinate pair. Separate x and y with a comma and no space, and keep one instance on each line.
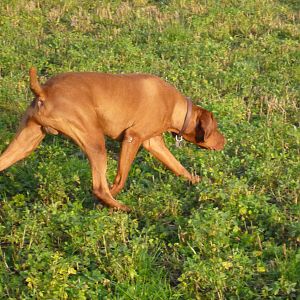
(186,122)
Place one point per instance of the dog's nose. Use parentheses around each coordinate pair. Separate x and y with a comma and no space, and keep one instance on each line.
(220,144)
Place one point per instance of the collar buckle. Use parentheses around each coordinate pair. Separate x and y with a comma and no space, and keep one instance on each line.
(179,140)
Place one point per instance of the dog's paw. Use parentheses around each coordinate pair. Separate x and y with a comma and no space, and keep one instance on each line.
(195,179)
(121,207)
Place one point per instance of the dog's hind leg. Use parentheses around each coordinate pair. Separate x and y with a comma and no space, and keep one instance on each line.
(26,140)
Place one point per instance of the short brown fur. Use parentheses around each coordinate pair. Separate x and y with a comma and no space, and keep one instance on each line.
(135,109)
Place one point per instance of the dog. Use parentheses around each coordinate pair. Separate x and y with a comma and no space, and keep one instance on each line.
(135,109)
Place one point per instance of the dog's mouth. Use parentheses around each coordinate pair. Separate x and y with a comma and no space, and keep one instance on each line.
(212,148)
(216,145)
(209,148)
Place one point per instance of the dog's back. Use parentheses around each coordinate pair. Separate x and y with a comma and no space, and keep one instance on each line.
(116,102)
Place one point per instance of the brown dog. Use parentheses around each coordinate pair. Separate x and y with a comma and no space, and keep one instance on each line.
(133,109)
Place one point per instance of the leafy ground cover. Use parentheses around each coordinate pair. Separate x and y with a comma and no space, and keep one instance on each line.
(235,235)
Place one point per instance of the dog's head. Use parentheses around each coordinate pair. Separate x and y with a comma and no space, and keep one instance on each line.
(205,133)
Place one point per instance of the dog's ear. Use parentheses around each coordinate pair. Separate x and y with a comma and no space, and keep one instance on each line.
(206,124)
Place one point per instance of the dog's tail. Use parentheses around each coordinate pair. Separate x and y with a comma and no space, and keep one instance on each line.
(35,86)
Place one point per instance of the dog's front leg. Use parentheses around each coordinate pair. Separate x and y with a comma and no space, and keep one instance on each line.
(92,142)
(130,146)
(100,186)
(156,146)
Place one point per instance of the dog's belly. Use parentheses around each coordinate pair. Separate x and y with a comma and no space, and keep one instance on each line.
(144,120)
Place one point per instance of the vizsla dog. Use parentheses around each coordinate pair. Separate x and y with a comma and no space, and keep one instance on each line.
(134,109)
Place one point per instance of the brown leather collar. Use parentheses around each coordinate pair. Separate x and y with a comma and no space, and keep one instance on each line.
(187,117)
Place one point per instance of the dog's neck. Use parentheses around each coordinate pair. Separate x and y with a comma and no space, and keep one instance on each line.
(179,115)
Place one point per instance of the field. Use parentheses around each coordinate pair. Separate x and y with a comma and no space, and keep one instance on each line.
(236,234)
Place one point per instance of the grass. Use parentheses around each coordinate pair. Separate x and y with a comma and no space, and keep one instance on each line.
(235,235)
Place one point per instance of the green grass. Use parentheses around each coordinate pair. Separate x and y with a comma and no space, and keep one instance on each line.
(236,234)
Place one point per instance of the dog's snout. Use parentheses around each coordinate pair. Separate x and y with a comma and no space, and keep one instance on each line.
(221,143)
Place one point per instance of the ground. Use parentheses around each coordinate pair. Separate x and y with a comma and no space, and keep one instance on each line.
(235,235)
